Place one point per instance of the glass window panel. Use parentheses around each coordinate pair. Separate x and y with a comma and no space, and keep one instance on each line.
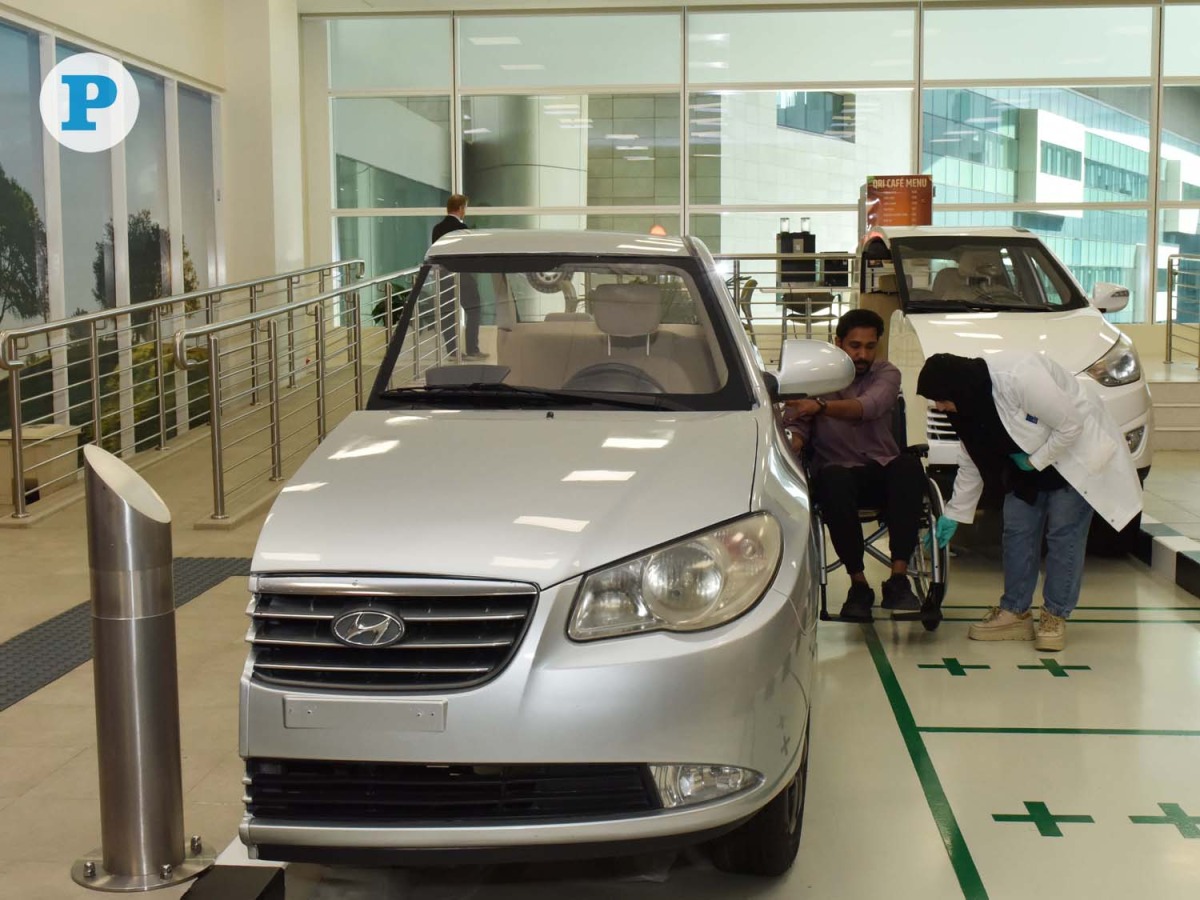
(544,51)
(1179,233)
(753,147)
(146,194)
(799,46)
(668,222)
(1180,166)
(1035,140)
(408,53)
(1054,42)
(88,268)
(1095,244)
(571,150)
(385,243)
(196,169)
(391,152)
(23,293)
(1179,41)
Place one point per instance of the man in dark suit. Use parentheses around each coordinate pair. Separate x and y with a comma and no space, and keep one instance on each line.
(456,211)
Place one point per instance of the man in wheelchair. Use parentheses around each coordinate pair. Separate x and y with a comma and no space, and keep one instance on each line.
(848,442)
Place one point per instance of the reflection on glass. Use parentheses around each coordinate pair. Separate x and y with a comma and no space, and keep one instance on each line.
(795,146)
(391,152)
(196,169)
(571,150)
(403,52)
(1095,244)
(22,204)
(386,243)
(146,192)
(1178,236)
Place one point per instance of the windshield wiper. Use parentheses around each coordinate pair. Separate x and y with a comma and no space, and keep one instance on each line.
(482,391)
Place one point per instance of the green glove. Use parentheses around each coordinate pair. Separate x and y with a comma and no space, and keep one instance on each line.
(944,530)
(1022,461)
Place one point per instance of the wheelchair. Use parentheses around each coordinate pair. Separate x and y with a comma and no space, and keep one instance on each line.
(929,566)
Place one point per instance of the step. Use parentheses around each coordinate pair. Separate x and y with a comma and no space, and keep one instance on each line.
(1175,391)
(1177,438)
(1176,415)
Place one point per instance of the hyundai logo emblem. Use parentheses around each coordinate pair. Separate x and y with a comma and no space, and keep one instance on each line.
(368,628)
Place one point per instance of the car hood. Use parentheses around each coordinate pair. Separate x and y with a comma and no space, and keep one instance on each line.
(511,494)
(1074,339)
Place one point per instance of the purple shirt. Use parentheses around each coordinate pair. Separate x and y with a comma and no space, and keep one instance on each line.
(850,443)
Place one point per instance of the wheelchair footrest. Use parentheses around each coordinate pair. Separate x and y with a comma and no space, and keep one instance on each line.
(830,617)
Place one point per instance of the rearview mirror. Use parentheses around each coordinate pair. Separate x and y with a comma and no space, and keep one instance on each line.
(1109,298)
(810,368)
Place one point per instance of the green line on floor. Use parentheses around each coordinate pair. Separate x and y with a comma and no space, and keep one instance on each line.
(951,665)
(935,795)
(1047,824)
(1046,664)
(1119,732)
(1175,815)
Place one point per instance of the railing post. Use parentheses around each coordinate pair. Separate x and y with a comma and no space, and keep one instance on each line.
(1170,302)
(356,308)
(387,311)
(97,410)
(321,282)
(136,687)
(273,374)
(254,347)
(214,425)
(291,333)
(319,354)
(18,463)
(160,379)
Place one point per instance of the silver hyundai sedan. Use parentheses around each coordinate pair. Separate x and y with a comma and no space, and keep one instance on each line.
(554,592)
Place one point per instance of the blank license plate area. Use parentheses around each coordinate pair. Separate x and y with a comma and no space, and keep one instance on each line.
(365,715)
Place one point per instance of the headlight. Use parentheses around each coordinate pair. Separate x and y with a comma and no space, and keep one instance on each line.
(697,583)
(688,785)
(1118,366)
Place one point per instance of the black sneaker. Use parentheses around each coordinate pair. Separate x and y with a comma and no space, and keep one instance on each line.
(859,601)
(898,594)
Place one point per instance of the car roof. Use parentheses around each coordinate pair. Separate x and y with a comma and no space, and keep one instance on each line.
(509,242)
(889,234)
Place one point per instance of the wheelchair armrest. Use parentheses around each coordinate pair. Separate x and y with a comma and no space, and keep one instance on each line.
(921,450)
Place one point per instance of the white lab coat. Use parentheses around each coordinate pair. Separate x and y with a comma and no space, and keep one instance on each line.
(1053,418)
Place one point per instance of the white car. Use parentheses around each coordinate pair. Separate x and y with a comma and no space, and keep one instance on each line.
(560,601)
(979,290)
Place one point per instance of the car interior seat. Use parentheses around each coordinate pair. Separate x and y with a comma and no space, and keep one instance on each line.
(885,300)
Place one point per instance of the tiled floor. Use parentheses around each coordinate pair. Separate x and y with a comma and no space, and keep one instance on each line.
(906,783)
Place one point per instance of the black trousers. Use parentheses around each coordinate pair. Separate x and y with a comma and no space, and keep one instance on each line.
(898,487)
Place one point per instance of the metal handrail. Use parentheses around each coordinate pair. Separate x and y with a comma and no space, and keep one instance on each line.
(1174,262)
(84,333)
(281,366)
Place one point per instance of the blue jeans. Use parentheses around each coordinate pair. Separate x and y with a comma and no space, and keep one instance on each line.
(1064,516)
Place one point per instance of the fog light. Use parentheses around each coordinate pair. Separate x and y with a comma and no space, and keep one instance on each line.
(1134,438)
(689,784)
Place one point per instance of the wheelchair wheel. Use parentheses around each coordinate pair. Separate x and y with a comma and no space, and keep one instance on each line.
(929,566)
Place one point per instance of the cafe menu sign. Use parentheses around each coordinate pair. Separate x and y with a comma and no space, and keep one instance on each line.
(899,200)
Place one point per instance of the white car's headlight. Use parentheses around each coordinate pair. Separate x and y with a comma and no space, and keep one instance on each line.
(699,582)
(1120,365)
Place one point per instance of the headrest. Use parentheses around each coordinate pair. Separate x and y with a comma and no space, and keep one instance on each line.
(627,310)
(567,317)
(980,263)
(887,284)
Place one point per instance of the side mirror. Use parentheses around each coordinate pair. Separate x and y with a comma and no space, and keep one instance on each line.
(808,368)
(1109,298)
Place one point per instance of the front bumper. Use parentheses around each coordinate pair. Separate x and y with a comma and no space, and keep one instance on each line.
(733,696)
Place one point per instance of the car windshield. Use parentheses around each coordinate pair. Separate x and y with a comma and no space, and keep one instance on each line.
(957,273)
(562,332)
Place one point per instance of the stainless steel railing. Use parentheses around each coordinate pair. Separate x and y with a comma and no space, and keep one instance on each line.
(1183,306)
(102,378)
(310,358)
(804,292)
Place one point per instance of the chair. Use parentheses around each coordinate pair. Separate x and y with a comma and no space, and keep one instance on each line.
(928,568)
(745,304)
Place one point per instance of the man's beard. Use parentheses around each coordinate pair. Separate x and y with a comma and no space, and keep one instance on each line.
(862,367)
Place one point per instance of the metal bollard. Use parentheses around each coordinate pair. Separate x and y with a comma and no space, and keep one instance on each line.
(137,692)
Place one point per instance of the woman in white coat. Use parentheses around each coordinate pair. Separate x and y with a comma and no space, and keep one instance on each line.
(1029,426)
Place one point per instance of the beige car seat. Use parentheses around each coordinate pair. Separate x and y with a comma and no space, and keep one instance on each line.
(629,316)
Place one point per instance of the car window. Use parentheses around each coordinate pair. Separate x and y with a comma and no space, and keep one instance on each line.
(622,327)
(982,273)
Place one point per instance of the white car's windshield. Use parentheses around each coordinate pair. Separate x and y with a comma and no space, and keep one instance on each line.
(976,273)
(563,331)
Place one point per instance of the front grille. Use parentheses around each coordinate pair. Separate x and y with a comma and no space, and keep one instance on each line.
(401,795)
(938,427)
(457,633)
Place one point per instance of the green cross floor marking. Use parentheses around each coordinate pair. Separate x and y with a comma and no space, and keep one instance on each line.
(1046,664)
(935,795)
(1187,825)
(1047,824)
(951,665)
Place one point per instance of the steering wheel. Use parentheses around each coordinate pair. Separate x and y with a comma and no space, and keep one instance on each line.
(616,377)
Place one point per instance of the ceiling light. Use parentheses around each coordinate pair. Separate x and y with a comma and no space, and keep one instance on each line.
(600,474)
(634,147)
(640,158)
(621,137)
(521,67)
(477,131)
(494,41)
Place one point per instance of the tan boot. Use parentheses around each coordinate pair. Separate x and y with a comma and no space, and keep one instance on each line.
(1051,632)
(1001,625)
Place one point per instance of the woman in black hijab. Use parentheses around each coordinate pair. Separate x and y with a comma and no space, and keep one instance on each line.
(963,390)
